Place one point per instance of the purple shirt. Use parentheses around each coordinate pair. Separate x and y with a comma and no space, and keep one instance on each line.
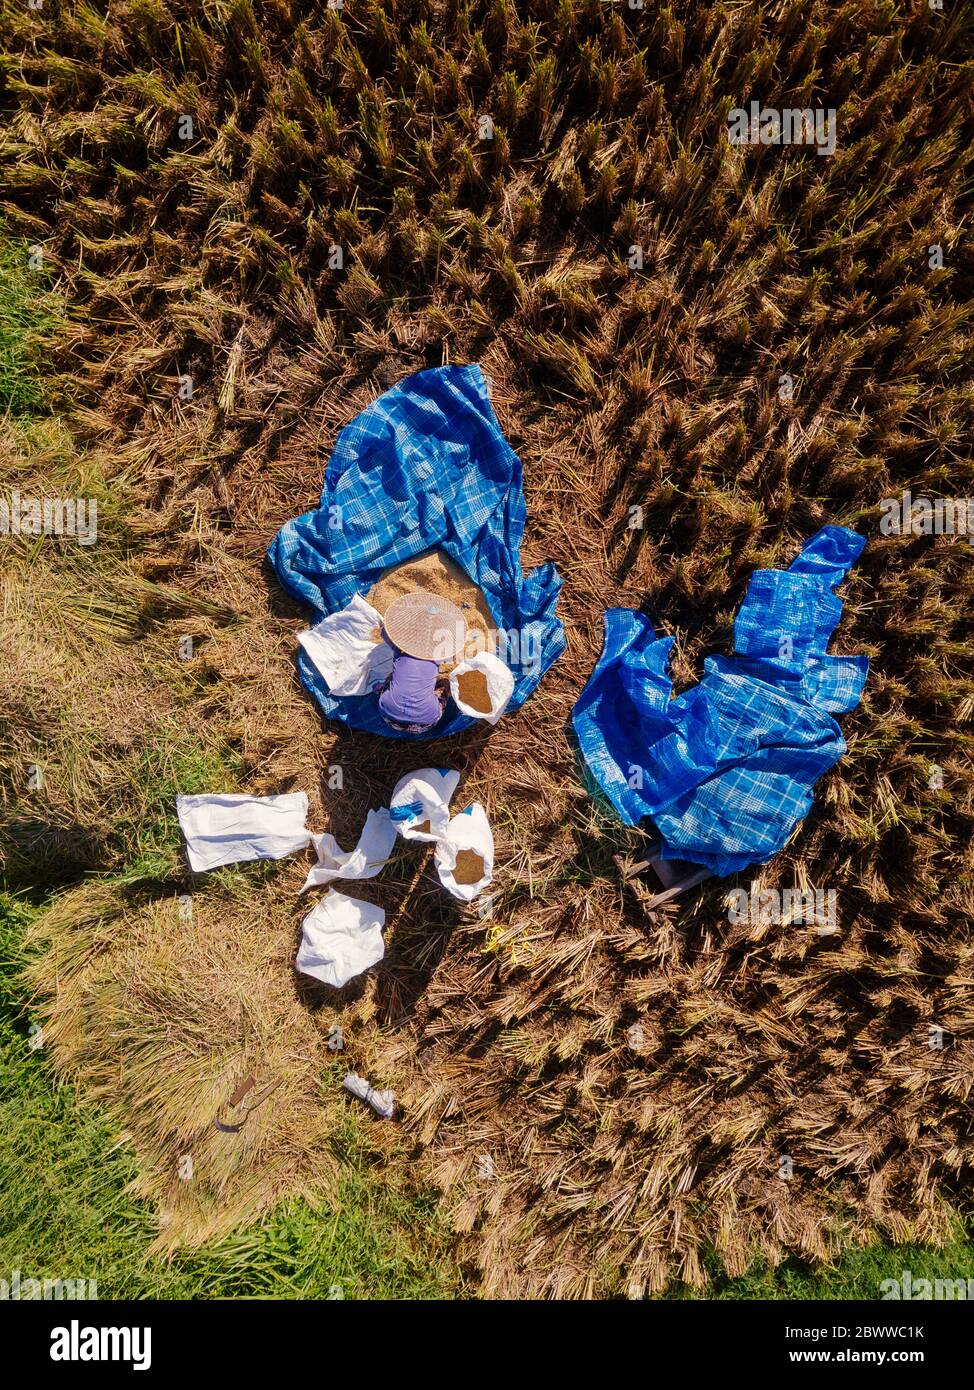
(411,697)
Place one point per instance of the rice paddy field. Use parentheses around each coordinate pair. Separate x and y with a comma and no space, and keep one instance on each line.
(225,228)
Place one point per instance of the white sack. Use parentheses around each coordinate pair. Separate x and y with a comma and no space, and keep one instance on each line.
(343,648)
(470,831)
(500,685)
(227,828)
(341,937)
(367,859)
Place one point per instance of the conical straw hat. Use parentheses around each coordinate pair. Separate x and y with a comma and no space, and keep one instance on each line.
(424,625)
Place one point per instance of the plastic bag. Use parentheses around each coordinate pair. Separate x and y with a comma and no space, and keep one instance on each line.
(382,1102)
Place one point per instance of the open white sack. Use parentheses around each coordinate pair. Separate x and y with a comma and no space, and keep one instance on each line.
(499,679)
(468,839)
(420,803)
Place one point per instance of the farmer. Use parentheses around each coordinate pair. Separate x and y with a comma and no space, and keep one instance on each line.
(425,630)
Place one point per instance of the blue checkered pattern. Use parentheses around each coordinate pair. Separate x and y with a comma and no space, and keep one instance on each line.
(425,466)
(726,770)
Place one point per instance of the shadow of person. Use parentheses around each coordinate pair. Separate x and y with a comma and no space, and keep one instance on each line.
(42,853)
(362,771)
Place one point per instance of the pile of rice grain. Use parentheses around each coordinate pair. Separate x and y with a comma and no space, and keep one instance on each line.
(438,574)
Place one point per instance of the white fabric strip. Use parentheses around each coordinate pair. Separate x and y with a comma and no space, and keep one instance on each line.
(367,859)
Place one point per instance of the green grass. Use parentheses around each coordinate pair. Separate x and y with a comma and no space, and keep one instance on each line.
(28,312)
(857,1274)
(65,1212)
(149,831)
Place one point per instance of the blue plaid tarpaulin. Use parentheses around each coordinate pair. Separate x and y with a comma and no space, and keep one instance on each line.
(726,770)
(425,466)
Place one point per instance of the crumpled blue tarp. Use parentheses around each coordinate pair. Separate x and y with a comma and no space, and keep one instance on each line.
(425,466)
(726,770)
